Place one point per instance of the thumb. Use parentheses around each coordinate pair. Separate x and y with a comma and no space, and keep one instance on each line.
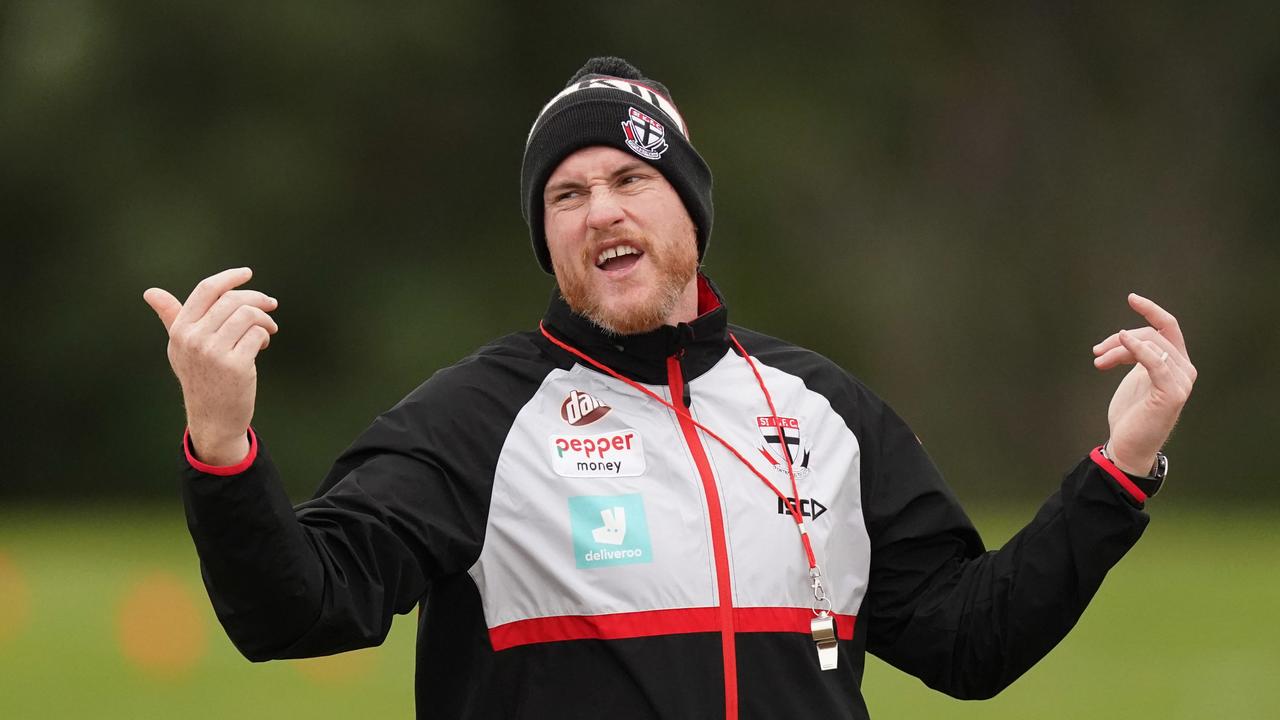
(164,303)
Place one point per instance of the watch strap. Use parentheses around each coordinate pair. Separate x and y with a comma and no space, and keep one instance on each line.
(1150,483)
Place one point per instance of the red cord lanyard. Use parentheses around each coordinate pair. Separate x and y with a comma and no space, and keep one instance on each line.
(823,627)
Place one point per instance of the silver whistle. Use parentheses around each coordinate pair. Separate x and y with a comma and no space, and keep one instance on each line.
(823,628)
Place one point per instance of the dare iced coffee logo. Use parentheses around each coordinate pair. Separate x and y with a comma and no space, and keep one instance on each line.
(582,409)
(612,454)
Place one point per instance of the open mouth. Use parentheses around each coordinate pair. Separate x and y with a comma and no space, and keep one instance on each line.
(618,258)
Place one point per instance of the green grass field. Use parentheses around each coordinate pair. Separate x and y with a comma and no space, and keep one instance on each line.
(102,615)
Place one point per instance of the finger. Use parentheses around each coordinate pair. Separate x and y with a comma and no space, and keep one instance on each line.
(1121,355)
(1113,357)
(1113,340)
(164,303)
(244,318)
(1110,343)
(1145,333)
(1176,356)
(255,340)
(1184,376)
(230,302)
(1153,359)
(208,290)
(1162,320)
(1181,376)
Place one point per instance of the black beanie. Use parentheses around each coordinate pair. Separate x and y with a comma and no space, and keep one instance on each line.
(609,102)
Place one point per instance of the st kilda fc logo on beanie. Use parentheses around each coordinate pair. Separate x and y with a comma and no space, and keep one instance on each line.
(582,409)
(645,136)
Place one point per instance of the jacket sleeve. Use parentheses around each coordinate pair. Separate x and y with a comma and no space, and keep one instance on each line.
(965,621)
(330,574)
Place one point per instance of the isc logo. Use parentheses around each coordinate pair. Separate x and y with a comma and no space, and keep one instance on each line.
(582,409)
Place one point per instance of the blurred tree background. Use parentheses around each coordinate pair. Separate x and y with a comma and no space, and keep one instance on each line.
(950,201)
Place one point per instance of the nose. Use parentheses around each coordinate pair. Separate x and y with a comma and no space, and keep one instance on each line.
(603,209)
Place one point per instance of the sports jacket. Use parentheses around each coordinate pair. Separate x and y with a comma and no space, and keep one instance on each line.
(578,549)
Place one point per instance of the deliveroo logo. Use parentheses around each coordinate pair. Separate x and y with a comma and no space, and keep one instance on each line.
(609,530)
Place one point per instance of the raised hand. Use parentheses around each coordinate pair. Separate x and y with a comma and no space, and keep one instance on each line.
(1146,406)
(214,340)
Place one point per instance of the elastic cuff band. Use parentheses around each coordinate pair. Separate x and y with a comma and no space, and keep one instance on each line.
(1136,492)
(220,470)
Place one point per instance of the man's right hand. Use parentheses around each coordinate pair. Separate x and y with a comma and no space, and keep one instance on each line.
(214,339)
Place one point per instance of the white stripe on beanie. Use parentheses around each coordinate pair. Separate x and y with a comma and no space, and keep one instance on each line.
(638,90)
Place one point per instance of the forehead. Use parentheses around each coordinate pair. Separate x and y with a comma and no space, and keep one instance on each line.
(597,160)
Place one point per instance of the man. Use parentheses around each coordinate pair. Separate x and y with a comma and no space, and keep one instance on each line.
(638,510)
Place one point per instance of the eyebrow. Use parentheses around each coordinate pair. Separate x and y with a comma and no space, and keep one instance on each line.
(556,188)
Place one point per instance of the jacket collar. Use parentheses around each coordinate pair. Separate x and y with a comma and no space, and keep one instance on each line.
(643,357)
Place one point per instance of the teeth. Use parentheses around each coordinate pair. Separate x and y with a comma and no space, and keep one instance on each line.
(613,252)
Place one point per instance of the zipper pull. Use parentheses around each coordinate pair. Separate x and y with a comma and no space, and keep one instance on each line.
(685,398)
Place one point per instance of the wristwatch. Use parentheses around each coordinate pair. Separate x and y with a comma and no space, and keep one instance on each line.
(1152,481)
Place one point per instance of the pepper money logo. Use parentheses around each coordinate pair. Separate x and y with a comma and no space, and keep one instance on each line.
(609,530)
(612,454)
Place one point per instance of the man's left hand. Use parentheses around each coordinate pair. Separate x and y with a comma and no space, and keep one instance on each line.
(1146,405)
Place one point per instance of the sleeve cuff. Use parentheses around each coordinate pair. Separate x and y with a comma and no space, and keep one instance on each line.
(1110,468)
(220,470)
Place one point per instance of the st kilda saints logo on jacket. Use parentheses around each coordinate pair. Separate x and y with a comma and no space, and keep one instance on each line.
(645,136)
(778,450)
(582,409)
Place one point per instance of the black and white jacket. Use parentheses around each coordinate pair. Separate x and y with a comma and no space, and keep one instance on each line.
(580,550)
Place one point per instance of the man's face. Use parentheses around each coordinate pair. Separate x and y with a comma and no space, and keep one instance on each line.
(622,244)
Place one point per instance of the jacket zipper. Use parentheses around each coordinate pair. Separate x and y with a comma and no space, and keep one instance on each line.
(724,590)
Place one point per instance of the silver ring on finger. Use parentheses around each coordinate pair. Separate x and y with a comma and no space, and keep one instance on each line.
(1165,356)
